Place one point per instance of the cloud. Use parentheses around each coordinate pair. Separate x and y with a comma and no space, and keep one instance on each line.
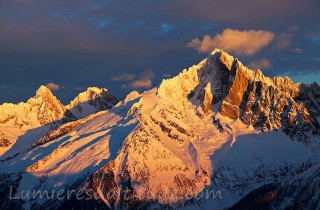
(284,39)
(260,64)
(293,28)
(166,76)
(79,88)
(166,28)
(244,10)
(53,86)
(123,77)
(204,46)
(144,81)
(243,43)
(4,87)
(297,50)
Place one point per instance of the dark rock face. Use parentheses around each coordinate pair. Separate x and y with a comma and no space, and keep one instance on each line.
(302,192)
(218,70)
(272,103)
(8,186)
(4,141)
(257,199)
(310,96)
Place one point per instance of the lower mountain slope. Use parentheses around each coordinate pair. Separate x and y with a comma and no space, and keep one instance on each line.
(300,192)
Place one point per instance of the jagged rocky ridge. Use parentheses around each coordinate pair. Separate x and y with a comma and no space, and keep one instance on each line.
(191,134)
(44,113)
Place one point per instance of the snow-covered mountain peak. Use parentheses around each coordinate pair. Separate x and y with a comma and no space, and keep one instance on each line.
(224,57)
(92,92)
(216,50)
(92,100)
(42,109)
(131,96)
(218,69)
(42,91)
(44,96)
(240,92)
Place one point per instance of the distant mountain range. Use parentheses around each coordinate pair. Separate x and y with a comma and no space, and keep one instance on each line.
(217,136)
(45,111)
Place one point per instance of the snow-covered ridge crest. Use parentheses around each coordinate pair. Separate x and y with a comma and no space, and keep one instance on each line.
(92,100)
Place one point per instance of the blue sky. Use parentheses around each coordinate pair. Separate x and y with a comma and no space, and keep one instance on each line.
(124,45)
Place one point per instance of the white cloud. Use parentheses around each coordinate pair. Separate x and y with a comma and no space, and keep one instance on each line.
(260,64)
(297,50)
(79,88)
(123,77)
(53,86)
(293,28)
(284,39)
(144,81)
(166,76)
(234,41)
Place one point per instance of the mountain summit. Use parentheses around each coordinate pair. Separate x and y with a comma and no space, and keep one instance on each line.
(42,109)
(91,101)
(217,127)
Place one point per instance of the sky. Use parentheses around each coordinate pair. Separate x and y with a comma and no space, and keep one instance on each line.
(125,45)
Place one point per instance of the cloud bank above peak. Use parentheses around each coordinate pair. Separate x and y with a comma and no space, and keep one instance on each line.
(243,43)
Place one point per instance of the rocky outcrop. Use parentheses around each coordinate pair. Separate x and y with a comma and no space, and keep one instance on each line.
(4,141)
(207,98)
(65,128)
(309,95)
